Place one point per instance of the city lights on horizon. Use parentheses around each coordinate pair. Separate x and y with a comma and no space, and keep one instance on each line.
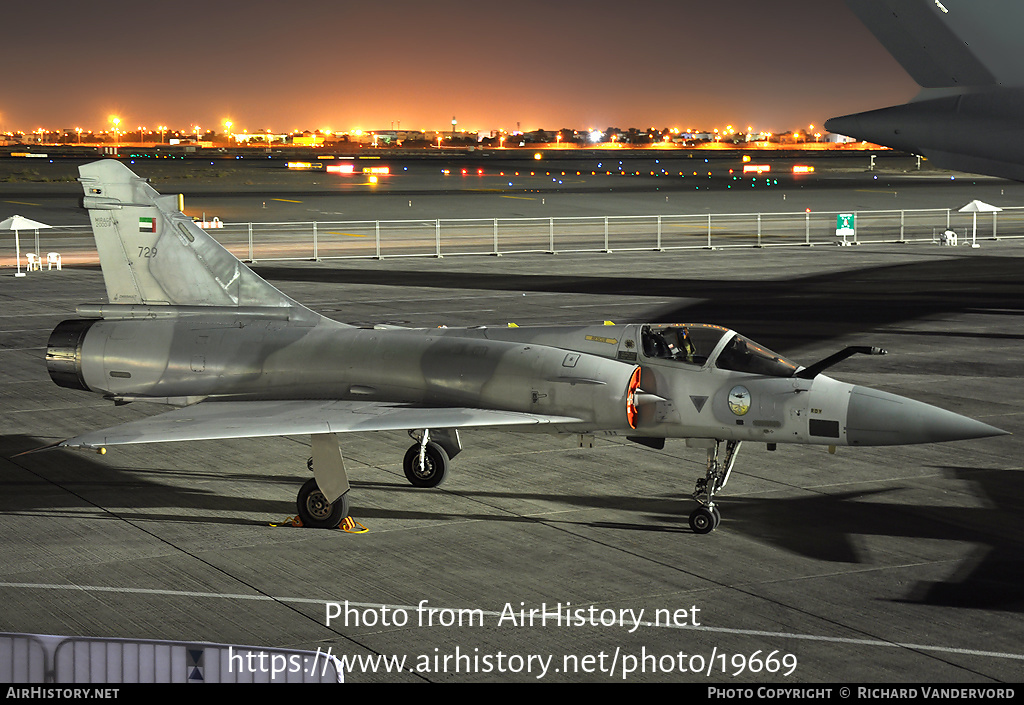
(116,124)
(228,128)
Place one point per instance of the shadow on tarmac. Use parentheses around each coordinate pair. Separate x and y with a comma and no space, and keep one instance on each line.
(781,314)
(69,484)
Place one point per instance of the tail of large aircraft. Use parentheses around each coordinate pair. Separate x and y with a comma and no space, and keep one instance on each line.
(969,61)
(152,254)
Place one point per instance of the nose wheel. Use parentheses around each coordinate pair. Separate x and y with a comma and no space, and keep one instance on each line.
(704,520)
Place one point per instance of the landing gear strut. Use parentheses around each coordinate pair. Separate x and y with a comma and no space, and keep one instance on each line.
(329,480)
(425,463)
(705,518)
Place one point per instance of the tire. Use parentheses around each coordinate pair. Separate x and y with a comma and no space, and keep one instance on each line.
(435,465)
(702,520)
(315,511)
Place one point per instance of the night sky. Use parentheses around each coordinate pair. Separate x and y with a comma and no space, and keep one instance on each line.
(321,64)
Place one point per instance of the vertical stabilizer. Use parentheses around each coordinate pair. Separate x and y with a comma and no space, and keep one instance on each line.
(151,253)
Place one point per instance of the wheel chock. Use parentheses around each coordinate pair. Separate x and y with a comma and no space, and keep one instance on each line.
(348,525)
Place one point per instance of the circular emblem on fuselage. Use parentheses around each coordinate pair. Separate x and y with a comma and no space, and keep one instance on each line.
(739,400)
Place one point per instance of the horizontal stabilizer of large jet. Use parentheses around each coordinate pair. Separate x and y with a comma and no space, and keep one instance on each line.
(952,43)
(969,61)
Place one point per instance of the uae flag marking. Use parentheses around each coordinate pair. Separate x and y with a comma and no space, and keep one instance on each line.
(147,225)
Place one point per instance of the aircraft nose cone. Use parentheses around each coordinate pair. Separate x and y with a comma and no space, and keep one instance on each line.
(876,418)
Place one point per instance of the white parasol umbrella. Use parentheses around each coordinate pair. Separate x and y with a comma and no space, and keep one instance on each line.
(19,222)
(976,207)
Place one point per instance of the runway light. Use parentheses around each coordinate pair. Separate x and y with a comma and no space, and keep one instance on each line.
(756,168)
(803,169)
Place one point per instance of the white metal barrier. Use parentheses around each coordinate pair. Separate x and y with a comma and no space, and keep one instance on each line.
(35,658)
(319,240)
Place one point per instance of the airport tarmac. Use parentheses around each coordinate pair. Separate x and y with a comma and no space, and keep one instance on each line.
(265,191)
(882,565)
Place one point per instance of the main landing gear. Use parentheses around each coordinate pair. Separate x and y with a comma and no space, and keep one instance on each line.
(425,465)
(330,480)
(705,518)
(314,509)
(426,462)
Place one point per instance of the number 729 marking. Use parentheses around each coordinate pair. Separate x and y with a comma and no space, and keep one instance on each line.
(147,252)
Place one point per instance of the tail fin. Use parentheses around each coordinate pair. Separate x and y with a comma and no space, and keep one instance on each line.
(950,43)
(151,253)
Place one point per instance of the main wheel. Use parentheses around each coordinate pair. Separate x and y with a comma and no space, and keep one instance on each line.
(435,465)
(316,511)
(702,520)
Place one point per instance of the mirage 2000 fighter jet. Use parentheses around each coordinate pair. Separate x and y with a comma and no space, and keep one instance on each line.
(189,325)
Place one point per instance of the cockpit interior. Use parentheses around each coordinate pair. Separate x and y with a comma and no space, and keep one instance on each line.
(699,345)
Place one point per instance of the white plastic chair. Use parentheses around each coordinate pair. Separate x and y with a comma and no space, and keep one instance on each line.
(33,262)
(52,258)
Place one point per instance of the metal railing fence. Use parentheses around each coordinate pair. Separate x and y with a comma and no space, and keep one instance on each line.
(320,240)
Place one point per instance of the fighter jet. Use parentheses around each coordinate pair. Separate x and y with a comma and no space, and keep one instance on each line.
(189,325)
(969,61)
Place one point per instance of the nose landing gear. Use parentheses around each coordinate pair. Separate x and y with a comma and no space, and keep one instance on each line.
(705,518)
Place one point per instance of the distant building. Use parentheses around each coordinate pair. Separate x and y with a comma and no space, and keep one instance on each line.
(308,139)
(833,138)
(265,137)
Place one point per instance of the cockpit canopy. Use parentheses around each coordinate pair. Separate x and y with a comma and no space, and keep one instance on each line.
(701,344)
